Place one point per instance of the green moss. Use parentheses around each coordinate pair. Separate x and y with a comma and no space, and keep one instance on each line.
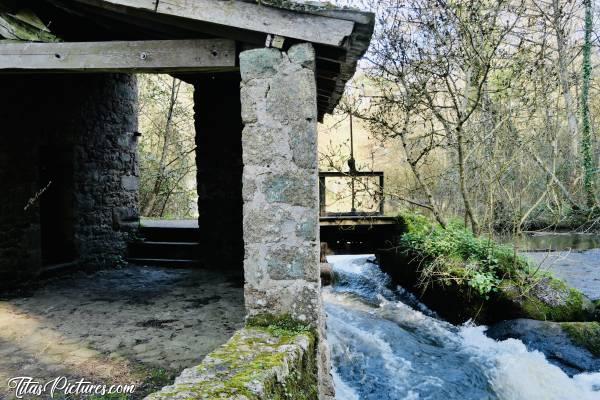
(247,365)
(584,334)
(455,254)
(278,324)
(573,309)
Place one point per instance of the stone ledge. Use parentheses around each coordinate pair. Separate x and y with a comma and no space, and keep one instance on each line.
(256,363)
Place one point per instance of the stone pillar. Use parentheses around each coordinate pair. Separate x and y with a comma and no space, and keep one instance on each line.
(219,163)
(280,182)
(102,120)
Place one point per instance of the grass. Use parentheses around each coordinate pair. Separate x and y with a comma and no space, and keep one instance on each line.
(455,255)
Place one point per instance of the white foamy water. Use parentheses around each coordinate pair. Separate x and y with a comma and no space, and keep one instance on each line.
(343,391)
(384,349)
(518,374)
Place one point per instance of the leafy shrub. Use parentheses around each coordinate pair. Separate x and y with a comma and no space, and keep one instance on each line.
(455,255)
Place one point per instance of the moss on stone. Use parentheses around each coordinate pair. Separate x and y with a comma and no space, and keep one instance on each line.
(278,324)
(584,334)
(549,299)
(570,311)
(273,359)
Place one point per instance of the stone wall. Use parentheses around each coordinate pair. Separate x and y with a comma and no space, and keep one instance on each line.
(257,363)
(76,131)
(280,182)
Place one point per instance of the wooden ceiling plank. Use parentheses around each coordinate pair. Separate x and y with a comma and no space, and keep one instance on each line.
(132,56)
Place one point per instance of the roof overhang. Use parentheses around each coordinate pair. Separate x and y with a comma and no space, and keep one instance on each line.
(340,36)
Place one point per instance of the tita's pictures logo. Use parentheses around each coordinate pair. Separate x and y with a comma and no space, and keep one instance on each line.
(28,387)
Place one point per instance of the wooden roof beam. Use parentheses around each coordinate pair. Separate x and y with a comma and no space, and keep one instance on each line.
(245,16)
(201,55)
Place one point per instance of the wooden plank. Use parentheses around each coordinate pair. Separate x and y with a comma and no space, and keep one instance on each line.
(24,26)
(246,16)
(136,56)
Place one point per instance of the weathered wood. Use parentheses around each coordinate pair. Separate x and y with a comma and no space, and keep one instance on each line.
(24,26)
(136,56)
(247,16)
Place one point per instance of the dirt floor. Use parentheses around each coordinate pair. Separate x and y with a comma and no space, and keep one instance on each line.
(139,325)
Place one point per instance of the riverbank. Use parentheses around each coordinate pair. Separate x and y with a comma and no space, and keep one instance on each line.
(463,277)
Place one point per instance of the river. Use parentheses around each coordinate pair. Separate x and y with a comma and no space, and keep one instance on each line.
(387,346)
(572,257)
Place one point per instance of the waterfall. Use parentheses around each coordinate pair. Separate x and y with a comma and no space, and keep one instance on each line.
(387,346)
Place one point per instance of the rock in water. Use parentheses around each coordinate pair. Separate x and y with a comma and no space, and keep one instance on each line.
(551,339)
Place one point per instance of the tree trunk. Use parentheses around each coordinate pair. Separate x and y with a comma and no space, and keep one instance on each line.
(432,204)
(148,208)
(564,79)
(463,181)
(552,176)
(586,135)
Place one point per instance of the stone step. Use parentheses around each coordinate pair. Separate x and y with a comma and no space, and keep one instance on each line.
(164,250)
(164,262)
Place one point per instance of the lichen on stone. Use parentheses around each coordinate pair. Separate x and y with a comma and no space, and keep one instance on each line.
(269,359)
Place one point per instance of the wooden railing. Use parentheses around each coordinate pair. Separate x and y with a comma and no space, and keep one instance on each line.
(353,190)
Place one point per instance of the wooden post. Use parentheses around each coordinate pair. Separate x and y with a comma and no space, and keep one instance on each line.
(322,196)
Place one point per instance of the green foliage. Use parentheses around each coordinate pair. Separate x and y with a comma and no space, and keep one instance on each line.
(481,273)
(483,282)
(158,378)
(454,254)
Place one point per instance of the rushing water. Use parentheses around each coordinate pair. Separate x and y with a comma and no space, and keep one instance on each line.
(386,346)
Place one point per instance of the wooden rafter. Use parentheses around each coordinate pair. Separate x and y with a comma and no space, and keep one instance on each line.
(236,14)
(135,56)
